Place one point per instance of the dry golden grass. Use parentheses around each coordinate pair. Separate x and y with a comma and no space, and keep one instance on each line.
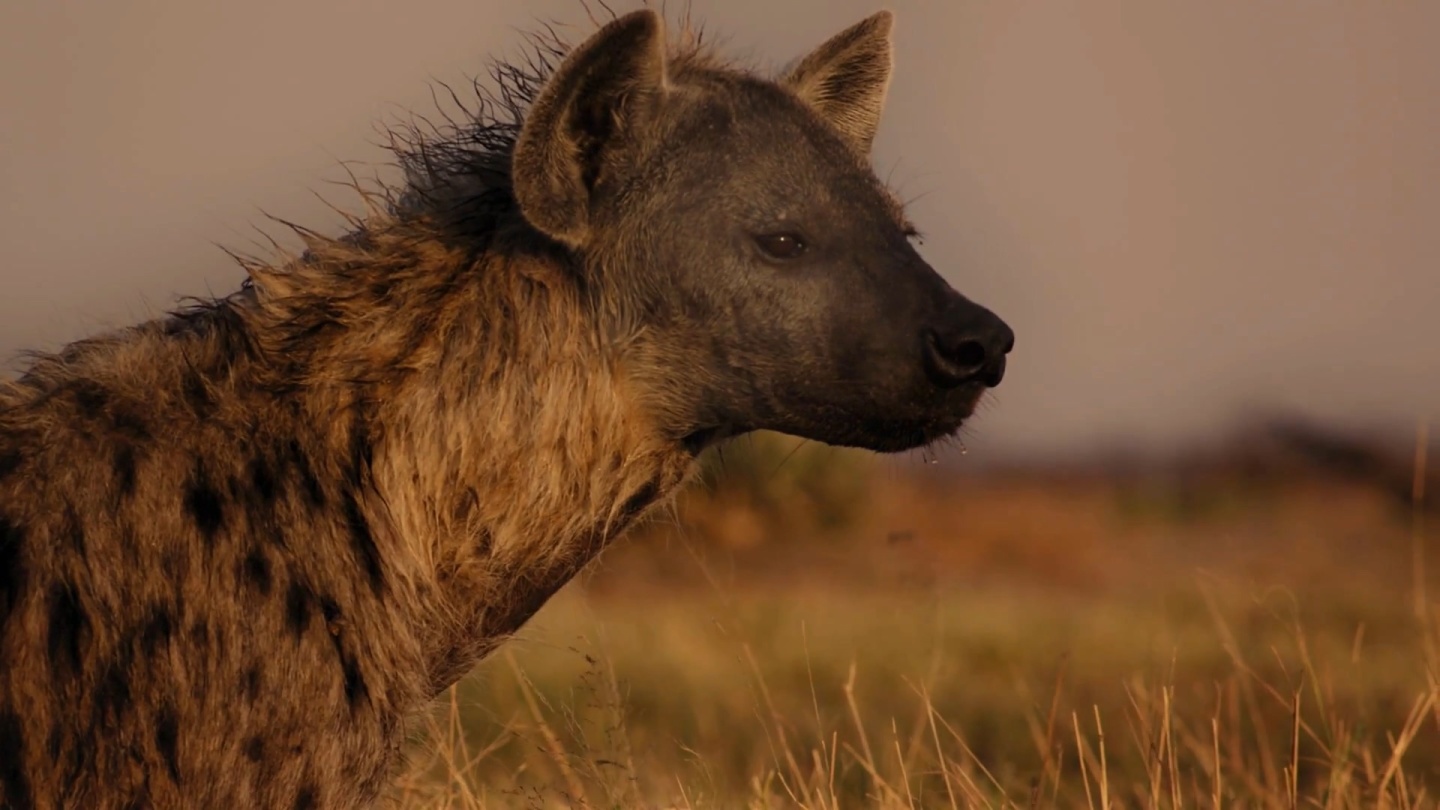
(1007,642)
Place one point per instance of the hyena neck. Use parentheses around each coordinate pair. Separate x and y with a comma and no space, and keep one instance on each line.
(511,439)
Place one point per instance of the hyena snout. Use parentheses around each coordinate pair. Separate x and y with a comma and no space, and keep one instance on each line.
(968,343)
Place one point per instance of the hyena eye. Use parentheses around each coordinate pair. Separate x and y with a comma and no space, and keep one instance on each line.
(783,245)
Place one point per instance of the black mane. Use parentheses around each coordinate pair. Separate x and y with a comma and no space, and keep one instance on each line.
(457,172)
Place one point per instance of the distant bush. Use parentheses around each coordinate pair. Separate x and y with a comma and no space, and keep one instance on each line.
(771,485)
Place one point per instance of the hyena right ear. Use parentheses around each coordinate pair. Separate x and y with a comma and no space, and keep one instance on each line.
(595,95)
(845,79)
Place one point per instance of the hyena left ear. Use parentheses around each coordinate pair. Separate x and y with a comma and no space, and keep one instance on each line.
(597,95)
(845,80)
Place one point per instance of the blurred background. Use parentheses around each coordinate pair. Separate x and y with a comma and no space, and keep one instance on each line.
(1214,227)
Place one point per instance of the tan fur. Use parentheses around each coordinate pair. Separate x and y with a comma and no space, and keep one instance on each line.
(242,547)
(474,528)
(492,524)
(847,78)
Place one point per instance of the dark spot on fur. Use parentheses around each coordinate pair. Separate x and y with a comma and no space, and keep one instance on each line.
(262,480)
(14,781)
(10,461)
(197,395)
(202,503)
(112,697)
(159,628)
(363,541)
(250,683)
(254,748)
(330,609)
(125,469)
(54,741)
(91,397)
(167,737)
(362,452)
(68,632)
(75,761)
(200,634)
(74,530)
(307,798)
(356,691)
(314,494)
(12,567)
(297,608)
(255,569)
(131,425)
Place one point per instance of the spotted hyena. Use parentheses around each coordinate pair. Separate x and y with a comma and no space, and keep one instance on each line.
(243,545)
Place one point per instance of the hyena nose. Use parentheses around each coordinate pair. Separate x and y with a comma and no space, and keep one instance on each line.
(969,345)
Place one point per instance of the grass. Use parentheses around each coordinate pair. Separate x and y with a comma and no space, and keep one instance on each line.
(1012,642)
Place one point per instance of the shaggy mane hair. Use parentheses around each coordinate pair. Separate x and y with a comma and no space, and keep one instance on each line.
(454,191)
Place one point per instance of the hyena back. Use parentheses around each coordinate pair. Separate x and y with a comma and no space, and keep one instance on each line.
(241,547)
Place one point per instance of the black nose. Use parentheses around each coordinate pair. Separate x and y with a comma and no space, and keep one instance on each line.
(969,344)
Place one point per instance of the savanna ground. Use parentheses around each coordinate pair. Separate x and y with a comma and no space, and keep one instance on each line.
(822,629)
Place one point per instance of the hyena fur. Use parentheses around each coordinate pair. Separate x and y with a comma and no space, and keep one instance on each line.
(244,545)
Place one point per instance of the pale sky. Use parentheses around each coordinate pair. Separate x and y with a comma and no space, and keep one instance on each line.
(1185,210)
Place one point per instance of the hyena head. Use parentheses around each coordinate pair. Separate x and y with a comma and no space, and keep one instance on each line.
(734,227)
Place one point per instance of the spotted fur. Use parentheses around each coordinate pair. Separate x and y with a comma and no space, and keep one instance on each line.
(242,546)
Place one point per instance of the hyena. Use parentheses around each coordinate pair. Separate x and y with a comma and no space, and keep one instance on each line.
(242,546)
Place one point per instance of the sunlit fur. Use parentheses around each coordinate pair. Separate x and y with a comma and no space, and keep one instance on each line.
(242,546)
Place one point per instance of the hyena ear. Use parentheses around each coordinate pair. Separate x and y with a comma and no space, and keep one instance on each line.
(845,80)
(595,96)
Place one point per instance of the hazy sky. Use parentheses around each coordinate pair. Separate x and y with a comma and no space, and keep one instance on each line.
(1185,210)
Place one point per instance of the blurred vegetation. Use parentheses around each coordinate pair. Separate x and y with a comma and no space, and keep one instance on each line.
(987,698)
(1247,629)
(778,486)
